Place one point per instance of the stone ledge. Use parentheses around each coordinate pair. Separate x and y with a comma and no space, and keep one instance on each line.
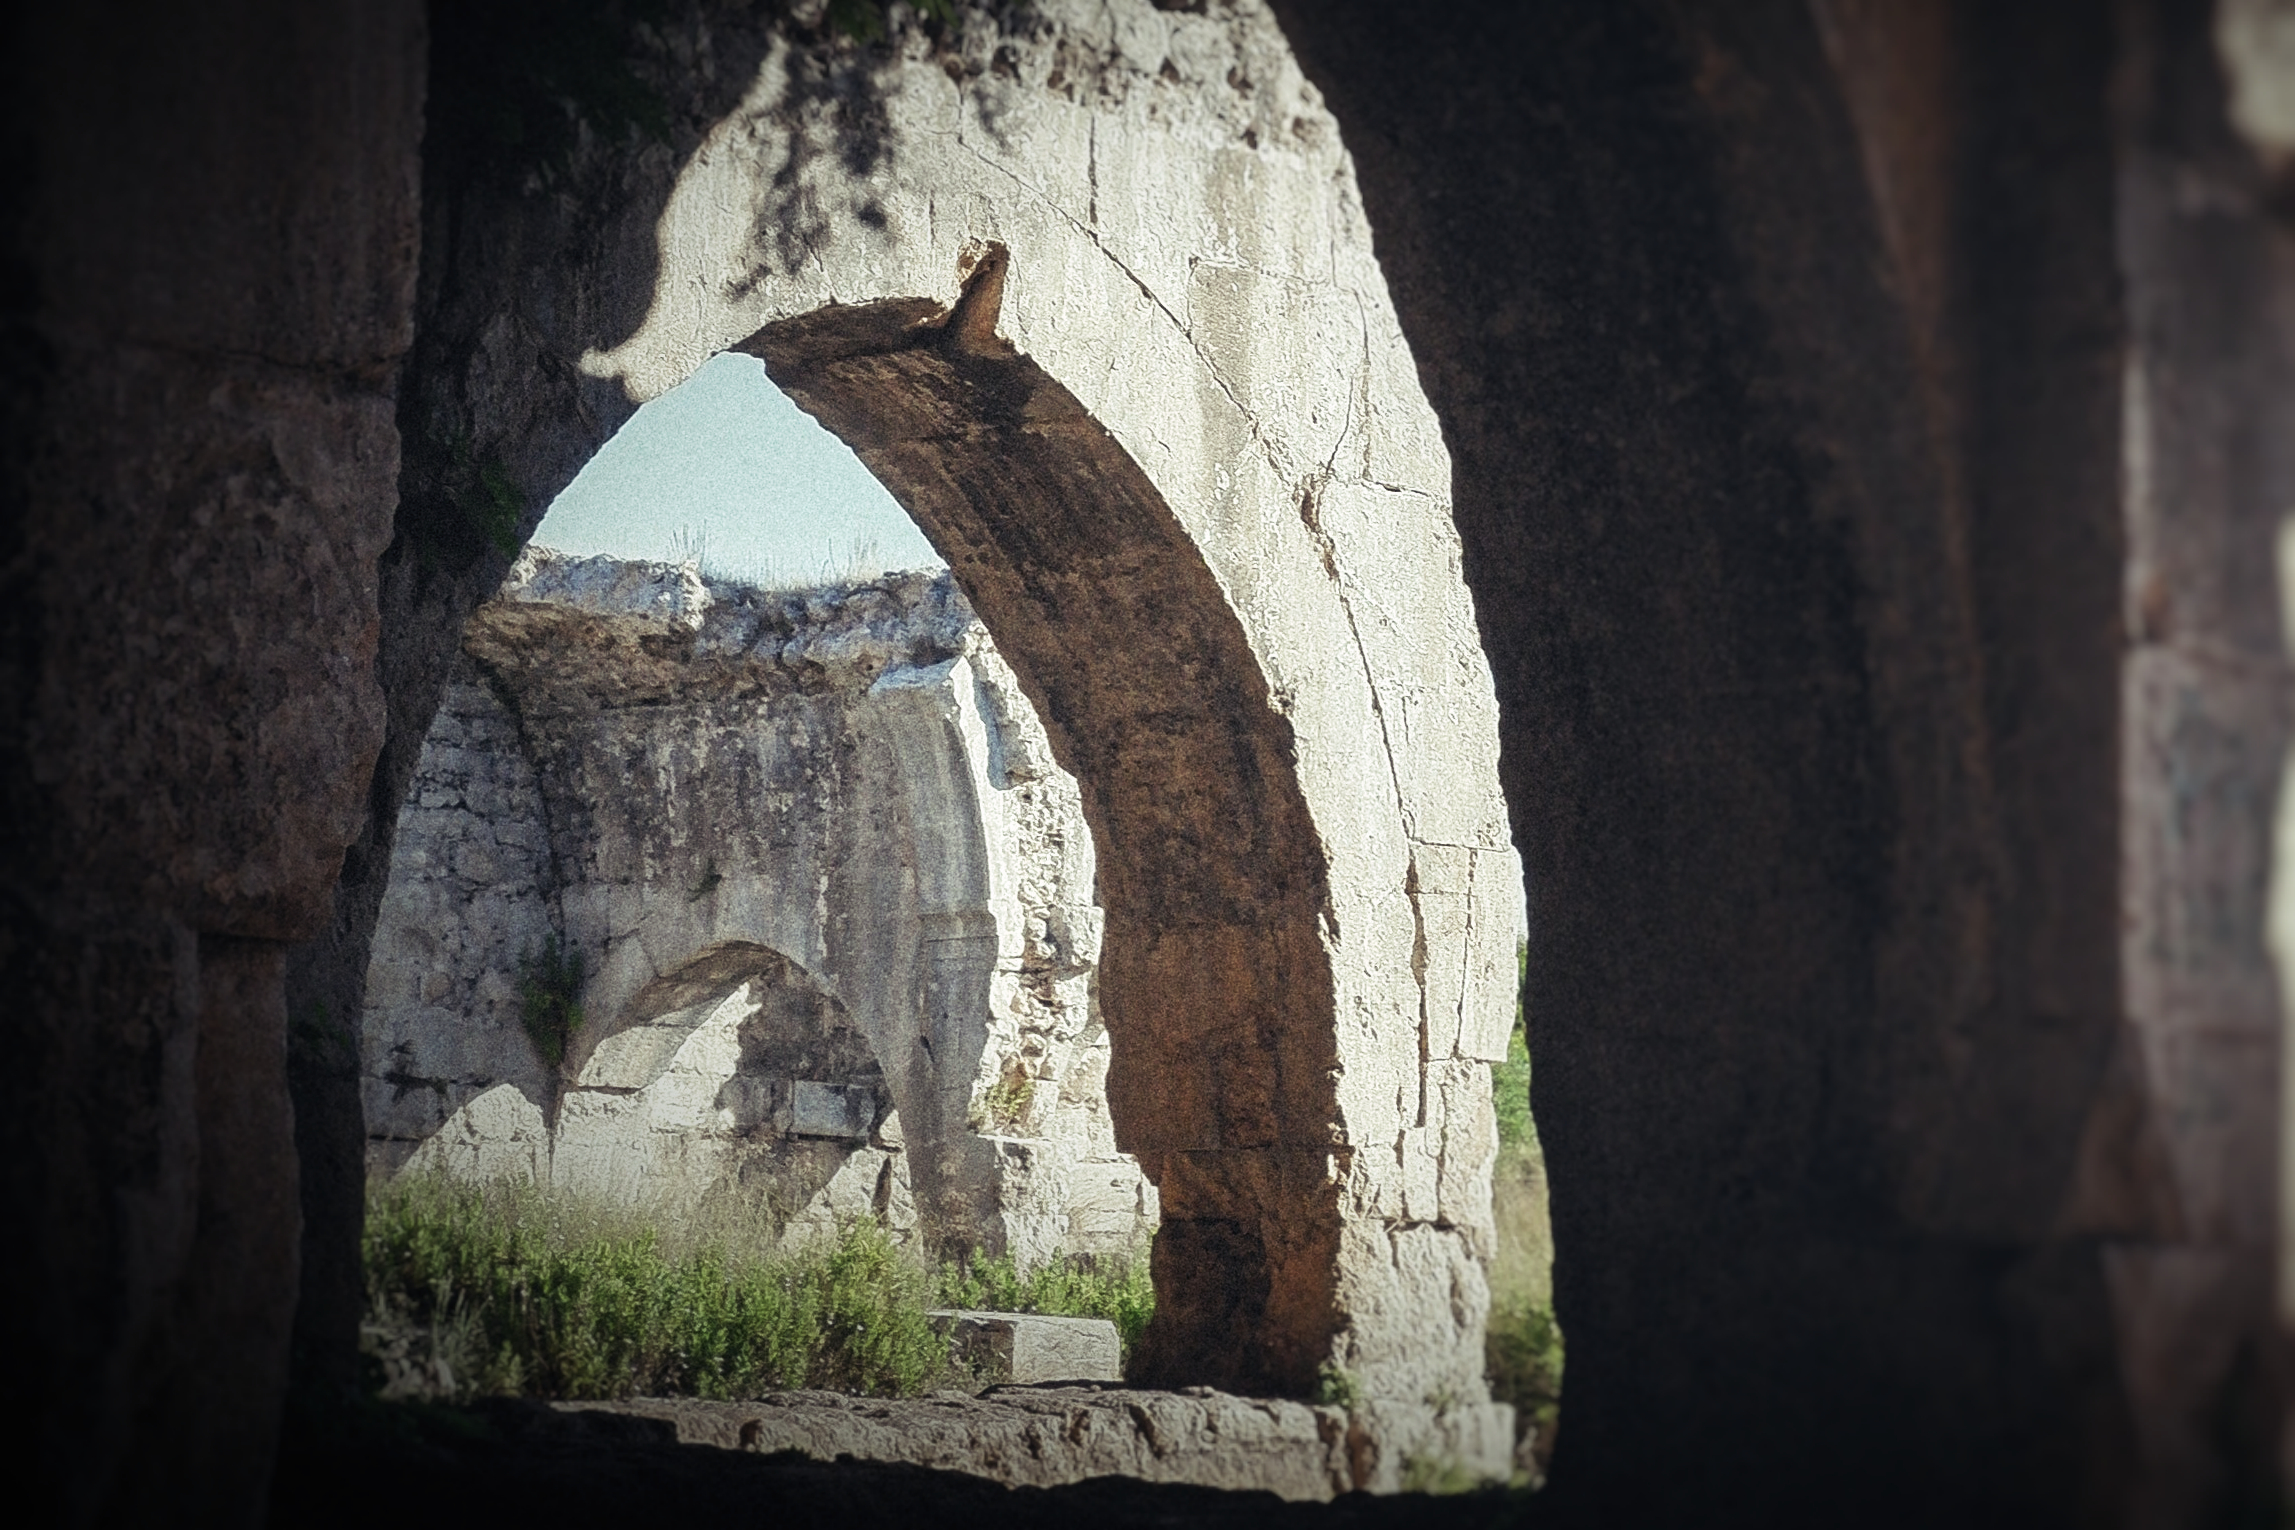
(1051,1436)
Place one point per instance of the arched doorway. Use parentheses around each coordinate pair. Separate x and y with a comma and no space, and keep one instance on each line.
(1144,389)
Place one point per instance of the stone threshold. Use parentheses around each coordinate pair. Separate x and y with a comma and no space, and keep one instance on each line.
(1052,1435)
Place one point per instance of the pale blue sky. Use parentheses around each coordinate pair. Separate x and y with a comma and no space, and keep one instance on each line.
(726,459)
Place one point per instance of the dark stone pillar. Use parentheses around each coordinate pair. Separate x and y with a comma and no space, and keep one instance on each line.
(207,256)
(1778,349)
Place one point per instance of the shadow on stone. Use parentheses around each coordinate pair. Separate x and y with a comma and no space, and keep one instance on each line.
(521,1462)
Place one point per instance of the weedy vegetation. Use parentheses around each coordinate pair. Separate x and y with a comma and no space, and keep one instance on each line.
(508,1289)
(1523,1345)
(857,560)
(549,997)
(520,1292)
(1004,1104)
(1336,1387)
(1439,1475)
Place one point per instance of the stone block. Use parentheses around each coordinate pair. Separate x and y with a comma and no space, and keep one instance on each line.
(2202,757)
(497,1134)
(1460,1101)
(832,1110)
(1109,1205)
(1396,1442)
(634,1058)
(277,491)
(1027,1347)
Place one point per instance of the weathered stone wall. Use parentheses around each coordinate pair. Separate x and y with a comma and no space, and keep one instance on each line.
(1177,458)
(1870,426)
(207,238)
(817,861)
(470,893)
(1789,382)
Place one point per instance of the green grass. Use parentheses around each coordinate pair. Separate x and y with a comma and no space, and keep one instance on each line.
(1336,1387)
(1523,1355)
(516,1296)
(1523,1346)
(1442,1476)
(508,1289)
(1510,1093)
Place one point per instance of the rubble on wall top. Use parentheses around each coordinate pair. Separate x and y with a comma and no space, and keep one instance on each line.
(906,618)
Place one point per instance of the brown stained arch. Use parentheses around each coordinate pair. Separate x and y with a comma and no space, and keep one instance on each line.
(1214,980)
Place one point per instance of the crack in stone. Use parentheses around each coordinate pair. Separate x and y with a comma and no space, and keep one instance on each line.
(1418,965)
(1186,333)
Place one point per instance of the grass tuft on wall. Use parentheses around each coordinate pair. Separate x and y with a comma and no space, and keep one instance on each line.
(549,997)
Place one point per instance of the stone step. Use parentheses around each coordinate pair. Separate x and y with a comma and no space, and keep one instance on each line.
(1024,1348)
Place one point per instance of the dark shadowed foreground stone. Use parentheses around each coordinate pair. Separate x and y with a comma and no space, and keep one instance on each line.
(1868,425)
(520,1462)
(207,240)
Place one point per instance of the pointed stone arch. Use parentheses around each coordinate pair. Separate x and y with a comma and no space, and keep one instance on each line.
(1215,982)
(1184,467)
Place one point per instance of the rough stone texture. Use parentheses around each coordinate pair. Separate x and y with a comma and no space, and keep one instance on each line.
(1788,377)
(1869,494)
(469,895)
(1049,1435)
(1027,1348)
(818,862)
(529,1462)
(1178,460)
(2207,484)
(208,223)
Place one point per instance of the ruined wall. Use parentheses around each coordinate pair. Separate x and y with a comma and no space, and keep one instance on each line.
(763,822)
(1726,499)
(1178,461)
(470,893)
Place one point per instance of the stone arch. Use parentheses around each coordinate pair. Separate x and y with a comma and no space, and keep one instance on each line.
(1311,787)
(196,728)
(1215,981)
(847,776)
(742,1034)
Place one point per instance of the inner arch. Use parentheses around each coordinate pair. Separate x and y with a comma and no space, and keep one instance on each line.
(1215,982)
